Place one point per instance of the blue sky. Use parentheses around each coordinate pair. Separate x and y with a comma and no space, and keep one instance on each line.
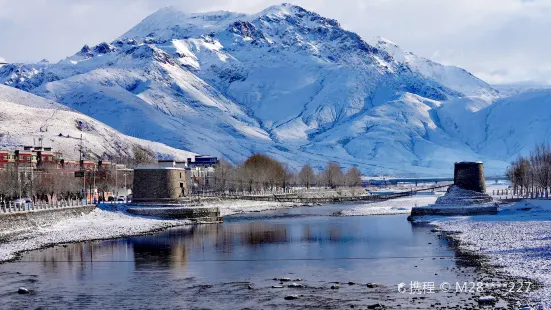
(500,41)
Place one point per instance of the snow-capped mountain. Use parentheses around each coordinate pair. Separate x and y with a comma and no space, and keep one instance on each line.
(285,81)
(27,118)
(450,76)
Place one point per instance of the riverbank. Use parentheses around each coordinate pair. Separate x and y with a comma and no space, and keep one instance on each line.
(516,241)
(108,221)
(389,207)
(101,223)
(111,221)
(332,263)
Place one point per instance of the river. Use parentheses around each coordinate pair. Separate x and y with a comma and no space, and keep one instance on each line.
(233,266)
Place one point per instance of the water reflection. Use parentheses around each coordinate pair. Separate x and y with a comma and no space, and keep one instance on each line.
(278,239)
(174,265)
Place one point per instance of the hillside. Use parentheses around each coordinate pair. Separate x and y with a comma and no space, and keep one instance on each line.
(26,117)
(285,81)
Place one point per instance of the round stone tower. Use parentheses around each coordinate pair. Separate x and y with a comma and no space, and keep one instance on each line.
(470,175)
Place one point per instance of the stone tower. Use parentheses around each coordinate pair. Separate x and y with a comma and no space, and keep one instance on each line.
(470,175)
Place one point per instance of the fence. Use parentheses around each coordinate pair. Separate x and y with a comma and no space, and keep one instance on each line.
(520,194)
(12,207)
(295,198)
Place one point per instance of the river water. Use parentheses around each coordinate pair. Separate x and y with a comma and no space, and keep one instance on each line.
(233,266)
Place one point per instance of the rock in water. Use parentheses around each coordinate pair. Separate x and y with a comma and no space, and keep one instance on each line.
(372,285)
(291,297)
(335,287)
(487,300)
(23,290)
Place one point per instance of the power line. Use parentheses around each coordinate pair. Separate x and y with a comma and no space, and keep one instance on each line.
(250,260)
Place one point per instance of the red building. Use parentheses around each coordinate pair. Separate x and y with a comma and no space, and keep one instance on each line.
(87,165)
(6,157)
(25,158)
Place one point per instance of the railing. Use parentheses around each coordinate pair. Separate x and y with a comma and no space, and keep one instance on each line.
(295,198)
(13,207)
(520,194)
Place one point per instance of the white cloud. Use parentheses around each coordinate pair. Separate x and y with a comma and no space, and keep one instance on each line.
(2,59)
(498,40)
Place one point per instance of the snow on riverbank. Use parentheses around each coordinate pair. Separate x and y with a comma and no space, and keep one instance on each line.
(517,238)
(394,206)
(99,224)
(229,207)
(110,221)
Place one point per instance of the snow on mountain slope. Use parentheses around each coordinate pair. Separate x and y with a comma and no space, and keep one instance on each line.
(450,76)
(170,22)
(26,117)
(141,91)
(504,128)
(285,81)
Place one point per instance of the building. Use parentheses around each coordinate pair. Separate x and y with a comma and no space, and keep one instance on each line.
(87,165)
(70,165)
(25,158)
(202,172)
(164,181)
(202,161)
(6,157)
(46,157)
(470,176)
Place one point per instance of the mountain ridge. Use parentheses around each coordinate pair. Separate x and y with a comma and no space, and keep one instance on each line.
(284,81)
(28,118)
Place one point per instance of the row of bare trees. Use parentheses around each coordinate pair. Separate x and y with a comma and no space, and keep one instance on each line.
(532,173)
(50,183)
(44,184)
(262,173)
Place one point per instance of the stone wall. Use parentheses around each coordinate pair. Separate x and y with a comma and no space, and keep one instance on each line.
(175,212)
(13,222)
(163,184)
(470,175)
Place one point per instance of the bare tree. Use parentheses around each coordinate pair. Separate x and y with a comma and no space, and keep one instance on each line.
(223,174)
(539,162)
(353,177)
(9,182)
(332,175)
(519,173)
(306,176)
(261,172)
(106,179)
(282,174)
(143,156)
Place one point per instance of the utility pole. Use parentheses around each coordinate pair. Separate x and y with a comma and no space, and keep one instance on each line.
(116,181)
(19,178)
(81,164)
(32,176)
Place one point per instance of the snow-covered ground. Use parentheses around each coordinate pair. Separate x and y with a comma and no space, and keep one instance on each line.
(517,238)
(394,206)
(110,221)
(229,207)
(99,224)
(27,119)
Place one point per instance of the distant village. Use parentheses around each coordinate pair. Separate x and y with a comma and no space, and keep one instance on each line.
(42,173)
(37,173)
